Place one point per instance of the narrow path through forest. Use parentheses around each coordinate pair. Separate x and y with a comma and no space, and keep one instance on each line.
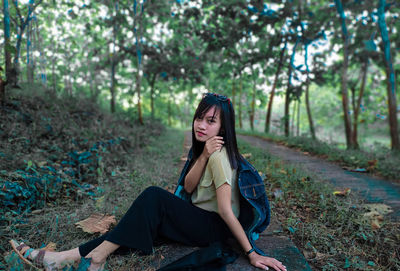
(373,189)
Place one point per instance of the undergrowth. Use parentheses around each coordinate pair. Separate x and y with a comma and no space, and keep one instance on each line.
(330,231)
(380,160)
(62,160)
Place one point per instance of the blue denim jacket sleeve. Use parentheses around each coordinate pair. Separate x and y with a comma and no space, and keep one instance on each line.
(180,191)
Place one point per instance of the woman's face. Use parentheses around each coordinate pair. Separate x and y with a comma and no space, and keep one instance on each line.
(208,126)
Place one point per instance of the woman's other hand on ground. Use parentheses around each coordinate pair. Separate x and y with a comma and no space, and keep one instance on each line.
(212,144)
(263,262)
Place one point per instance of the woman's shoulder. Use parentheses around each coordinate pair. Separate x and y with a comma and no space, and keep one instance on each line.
(218,155)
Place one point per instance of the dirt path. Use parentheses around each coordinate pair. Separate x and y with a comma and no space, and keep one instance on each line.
(373,189)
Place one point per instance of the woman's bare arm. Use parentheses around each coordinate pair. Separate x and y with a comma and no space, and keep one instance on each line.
(224,194)
(193,177)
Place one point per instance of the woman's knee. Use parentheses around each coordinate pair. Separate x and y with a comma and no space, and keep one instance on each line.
(152,191)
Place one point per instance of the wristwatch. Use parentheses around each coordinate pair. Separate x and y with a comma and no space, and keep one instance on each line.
(250,251)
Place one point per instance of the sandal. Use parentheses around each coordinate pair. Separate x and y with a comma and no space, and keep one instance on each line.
(23,251)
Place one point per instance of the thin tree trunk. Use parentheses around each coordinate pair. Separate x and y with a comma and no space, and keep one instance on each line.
(286,118)
(112,89)
(169,107)
(113,66)
(390,77)
(272,94)
(7,54)
(298,116)
(233,91)
(240,102)
(293,115)
(364,72)
(308,108)
(345,98)
(139,61)
(252,109)
(152,83)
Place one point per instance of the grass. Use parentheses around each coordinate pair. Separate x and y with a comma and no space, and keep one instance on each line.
(331,231)
(154,164)
(381,161)
(149,155)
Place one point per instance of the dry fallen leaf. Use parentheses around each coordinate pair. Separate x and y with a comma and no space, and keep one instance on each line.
(246,155)
(376,213)
(343,192)
(96,223)
(381,208)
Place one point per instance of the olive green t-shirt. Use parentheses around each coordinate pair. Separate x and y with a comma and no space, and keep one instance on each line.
(217,172)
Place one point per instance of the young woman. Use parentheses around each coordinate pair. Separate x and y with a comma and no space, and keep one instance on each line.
(209,178)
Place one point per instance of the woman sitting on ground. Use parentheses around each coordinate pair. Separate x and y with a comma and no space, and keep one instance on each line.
(211,214)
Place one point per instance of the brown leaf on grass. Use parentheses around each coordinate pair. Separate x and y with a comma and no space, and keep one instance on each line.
(246,155)
(381,208)
(376,213)
(374,218)
(343,192)
(96,223)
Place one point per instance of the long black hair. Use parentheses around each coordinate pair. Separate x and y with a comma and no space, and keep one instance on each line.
(227,130)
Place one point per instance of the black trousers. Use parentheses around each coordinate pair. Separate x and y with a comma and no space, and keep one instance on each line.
(157,214)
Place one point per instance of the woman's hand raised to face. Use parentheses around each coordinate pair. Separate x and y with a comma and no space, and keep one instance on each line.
(266,263)
(212,144)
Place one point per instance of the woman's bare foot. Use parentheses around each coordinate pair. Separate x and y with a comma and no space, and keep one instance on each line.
(99,255)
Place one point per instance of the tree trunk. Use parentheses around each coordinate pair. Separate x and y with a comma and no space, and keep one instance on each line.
(139,60)
(345,98)
(293,115)
(7,54)
(390,77)
(286,118)
(240,102)
(169,107)
(152,83)
(233,91)
(364,71)
(272,95)
(298,117)
(113,66)
(308,108)
(252,109)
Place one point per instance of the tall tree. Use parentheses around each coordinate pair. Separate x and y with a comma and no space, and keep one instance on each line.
(21,22)
(345,98)
(272,93)
(390,76)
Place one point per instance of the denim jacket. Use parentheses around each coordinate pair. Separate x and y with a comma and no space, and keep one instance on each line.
(254,206)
